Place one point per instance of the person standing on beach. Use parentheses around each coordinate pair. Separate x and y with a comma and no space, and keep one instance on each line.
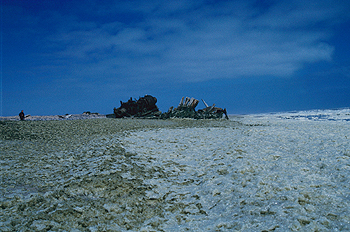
(21,115)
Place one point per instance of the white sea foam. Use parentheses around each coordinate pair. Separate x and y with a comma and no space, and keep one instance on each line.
(314,115)
(279,172)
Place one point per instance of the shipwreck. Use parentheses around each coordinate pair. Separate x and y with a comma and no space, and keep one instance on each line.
(145,107)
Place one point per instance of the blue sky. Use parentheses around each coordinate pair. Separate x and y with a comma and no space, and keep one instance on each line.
(70,56)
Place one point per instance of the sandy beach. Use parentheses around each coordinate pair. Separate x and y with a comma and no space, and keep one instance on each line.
(249,173)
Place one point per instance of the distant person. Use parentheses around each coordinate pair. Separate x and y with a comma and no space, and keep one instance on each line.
(21,115)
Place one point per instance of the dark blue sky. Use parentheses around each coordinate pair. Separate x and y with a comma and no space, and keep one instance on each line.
(247,56)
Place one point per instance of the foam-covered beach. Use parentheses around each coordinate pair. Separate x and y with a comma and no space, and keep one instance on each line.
(271,172)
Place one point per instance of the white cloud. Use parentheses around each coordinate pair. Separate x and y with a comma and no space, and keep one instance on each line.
(183,41)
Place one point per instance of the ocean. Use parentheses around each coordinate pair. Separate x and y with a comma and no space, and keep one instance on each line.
(285,171)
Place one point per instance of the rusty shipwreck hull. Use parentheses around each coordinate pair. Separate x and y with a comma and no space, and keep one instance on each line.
(143,107)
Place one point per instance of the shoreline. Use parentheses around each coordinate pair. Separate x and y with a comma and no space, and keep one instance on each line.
(53,117)
(76,117)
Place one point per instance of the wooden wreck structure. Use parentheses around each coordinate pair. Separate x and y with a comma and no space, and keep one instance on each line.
(145,107)
(187,109)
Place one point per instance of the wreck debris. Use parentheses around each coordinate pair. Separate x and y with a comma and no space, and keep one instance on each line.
(206,105)
(145,107)
(186,109)
(65,116)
